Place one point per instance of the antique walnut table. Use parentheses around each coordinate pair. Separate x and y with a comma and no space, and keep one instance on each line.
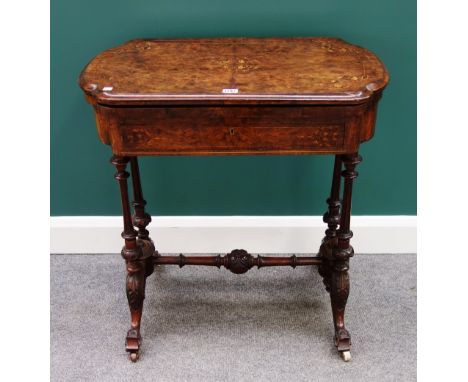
(236,96)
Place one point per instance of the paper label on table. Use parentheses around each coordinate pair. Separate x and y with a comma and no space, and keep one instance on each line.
(230,91)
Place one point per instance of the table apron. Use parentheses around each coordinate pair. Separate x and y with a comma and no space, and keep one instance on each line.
(232,130)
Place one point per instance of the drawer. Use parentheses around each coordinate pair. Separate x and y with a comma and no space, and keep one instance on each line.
(224,130)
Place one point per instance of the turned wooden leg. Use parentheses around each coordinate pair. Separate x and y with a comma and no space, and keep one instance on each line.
(332,218)
(140,218)
(132,252)
(339,286)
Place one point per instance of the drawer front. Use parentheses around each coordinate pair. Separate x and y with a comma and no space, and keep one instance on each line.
(217,130)
(219,139)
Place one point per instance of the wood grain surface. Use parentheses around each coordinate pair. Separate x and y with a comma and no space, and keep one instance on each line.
(234,70)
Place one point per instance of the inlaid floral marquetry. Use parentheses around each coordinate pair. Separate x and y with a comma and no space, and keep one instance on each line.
(306,69)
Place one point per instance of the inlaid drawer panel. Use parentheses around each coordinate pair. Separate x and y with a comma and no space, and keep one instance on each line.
(231,130)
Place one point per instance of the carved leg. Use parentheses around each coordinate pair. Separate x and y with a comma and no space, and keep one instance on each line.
(136,282)
(132,252)
(339,288)
(332,218)
(140,218)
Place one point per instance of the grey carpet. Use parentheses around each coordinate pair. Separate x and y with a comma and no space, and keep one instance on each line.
(205,324)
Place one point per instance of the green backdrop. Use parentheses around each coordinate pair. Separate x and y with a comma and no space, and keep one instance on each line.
(82,179)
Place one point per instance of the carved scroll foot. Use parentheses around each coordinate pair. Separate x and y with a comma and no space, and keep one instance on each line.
(342,340)
(339,293)
(132,344)
(136,280)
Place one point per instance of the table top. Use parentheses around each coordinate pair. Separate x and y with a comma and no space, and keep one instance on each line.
(234,71)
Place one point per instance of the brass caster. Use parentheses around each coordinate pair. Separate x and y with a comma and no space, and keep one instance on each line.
(346,355)
(134,356)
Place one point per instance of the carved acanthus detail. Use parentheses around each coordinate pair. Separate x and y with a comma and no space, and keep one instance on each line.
(136,279)
(340,289)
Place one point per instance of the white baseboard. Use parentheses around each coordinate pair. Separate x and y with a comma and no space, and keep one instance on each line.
(213,234)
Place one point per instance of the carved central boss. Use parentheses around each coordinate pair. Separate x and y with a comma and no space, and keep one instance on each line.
(239,261)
